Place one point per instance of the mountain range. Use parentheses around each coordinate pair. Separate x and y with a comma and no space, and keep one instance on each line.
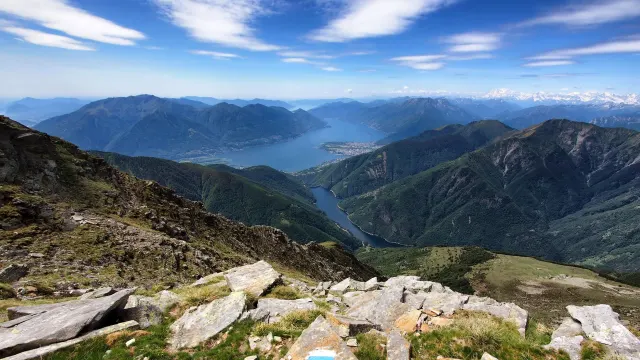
(584,112)
(239,102)
(561,190)
(30,111)
(400,119)
(148,125)
(255,196)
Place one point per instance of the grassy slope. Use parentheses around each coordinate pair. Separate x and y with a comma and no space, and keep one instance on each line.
(526,281)
(260,198)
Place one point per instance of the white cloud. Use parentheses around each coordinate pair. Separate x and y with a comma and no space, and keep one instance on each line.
(216,55)
(297,60)
(594,13)
(470,57)
(225,22)
(305,54)
(59,15)
(473,42)
(421,62)
(372,18)
(154,48)
(331,69)
(631,45)
(549,63)
(46,39)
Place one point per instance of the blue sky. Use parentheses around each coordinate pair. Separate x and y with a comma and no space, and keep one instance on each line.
(289,49)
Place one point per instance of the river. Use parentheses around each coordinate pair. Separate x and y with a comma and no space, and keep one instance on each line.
(329,204)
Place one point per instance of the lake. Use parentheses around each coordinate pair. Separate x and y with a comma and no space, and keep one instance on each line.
(329,204)
(302,152)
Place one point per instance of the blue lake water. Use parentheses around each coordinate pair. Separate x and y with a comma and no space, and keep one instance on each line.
(303,152)
(329,204)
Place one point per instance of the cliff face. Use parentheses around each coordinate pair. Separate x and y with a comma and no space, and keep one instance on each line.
(70,216)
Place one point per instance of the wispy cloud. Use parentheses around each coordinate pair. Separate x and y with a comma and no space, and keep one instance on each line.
(59,15)
(305,54)
(372,18)
(630,45)
(330,68)
(470,57)
(421,62)
(216,55)
(225,22)
(549,63)
(298,60)
(594,13)
(473,42)
(46,39)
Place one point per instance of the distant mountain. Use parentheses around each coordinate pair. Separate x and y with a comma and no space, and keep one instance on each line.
(152,126)
(400,119)
(367,172)
(239,102)
(628,120)
(547,98)
(523,118)
(255,196)
(308,104)
(484,108)
(562,190)
(30,111)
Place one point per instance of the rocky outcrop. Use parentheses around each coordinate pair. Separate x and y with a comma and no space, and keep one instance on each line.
(601,323)
(201,323)
(50,324)
(398,348)
(381,307)
(13,273)
(98,293)
(148,311)
(567,337)
(253,279)
(320,338)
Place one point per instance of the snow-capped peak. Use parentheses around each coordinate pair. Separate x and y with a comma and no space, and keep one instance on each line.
(564,97)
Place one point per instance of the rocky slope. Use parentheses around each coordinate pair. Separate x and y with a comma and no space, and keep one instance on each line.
(561,190)
(253,311)
(72,218)
(152,126)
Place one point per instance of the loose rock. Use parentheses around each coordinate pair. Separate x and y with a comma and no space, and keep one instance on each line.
(398,348)
(13,272)
(253,279)
(319,336)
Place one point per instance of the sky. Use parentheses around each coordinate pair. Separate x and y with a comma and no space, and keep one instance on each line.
(293,49)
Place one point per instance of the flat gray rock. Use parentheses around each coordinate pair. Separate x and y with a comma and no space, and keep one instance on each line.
(207,279)
(572,345)
(253,279)
(602,324)
(381,307)
(149,311)
(412,283)
(487,356)
(98,293)
(448,303)
(353,285)
(57,322)
(398,348)
(348,326)
(201,323)
(507,311)
(319,339)
(568,328)
(271,310)
(39,353)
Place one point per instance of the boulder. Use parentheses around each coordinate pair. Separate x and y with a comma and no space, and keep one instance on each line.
(381,307)
(445,302)
(412,283)
(357,298)
(57,322)
(13,272)
(371,284)
(352,342)
(408,321)
(263,344)
(348,326)
(350,284)
(42,352)
(201,323)
(568,328)
(601,323)
(334,299)
(149,311)
(271,310)
(415,301)
(487,356)
(98,293)
(508,311)
(253,279)
(398,348)
(320,339)
(572,345)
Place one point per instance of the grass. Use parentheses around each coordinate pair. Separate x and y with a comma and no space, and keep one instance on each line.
(371,347)
(290,325)
(6,291)
(195,296)
(285,293)
(472,334)
(7,303)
